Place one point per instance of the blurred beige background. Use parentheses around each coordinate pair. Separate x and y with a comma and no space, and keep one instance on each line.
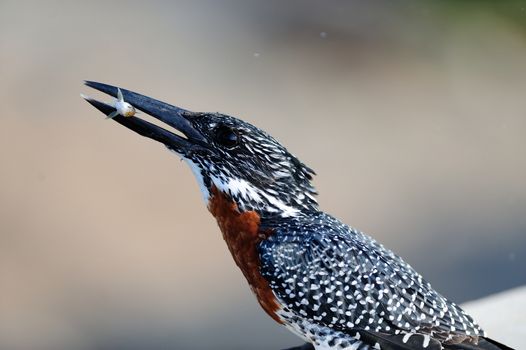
(413,114)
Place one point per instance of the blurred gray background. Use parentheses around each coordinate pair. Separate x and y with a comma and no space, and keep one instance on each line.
(412,113)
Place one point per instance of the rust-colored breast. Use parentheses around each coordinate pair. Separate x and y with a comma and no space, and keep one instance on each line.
(241,233)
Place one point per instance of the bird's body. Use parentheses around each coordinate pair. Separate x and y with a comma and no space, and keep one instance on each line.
(341,288)
(333,286)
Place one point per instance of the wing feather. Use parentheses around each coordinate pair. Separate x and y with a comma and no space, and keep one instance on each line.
(341,278)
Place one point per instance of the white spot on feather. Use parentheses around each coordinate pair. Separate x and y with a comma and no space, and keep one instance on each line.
(427,338)
(406,337)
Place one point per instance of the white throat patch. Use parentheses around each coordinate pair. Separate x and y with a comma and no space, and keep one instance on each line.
(198,176)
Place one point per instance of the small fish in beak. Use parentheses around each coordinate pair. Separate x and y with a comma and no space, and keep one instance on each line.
(122,107)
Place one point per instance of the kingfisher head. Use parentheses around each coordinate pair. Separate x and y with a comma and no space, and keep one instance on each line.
(226,155)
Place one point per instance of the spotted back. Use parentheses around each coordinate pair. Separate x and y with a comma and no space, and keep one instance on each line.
(332,275)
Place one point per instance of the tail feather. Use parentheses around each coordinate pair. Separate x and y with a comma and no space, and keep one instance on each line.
(483,344)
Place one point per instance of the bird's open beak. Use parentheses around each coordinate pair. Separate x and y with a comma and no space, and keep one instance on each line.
(173,116)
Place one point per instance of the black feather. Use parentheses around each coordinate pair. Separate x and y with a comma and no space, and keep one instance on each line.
(483,344)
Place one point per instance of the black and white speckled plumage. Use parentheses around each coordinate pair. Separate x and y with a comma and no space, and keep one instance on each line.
(333,286)
(333,276)
(338,288)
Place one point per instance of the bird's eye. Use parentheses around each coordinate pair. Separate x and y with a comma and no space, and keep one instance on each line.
(226,136)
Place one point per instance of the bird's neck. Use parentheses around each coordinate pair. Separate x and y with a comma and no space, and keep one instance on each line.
(268,202)
(242,234)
